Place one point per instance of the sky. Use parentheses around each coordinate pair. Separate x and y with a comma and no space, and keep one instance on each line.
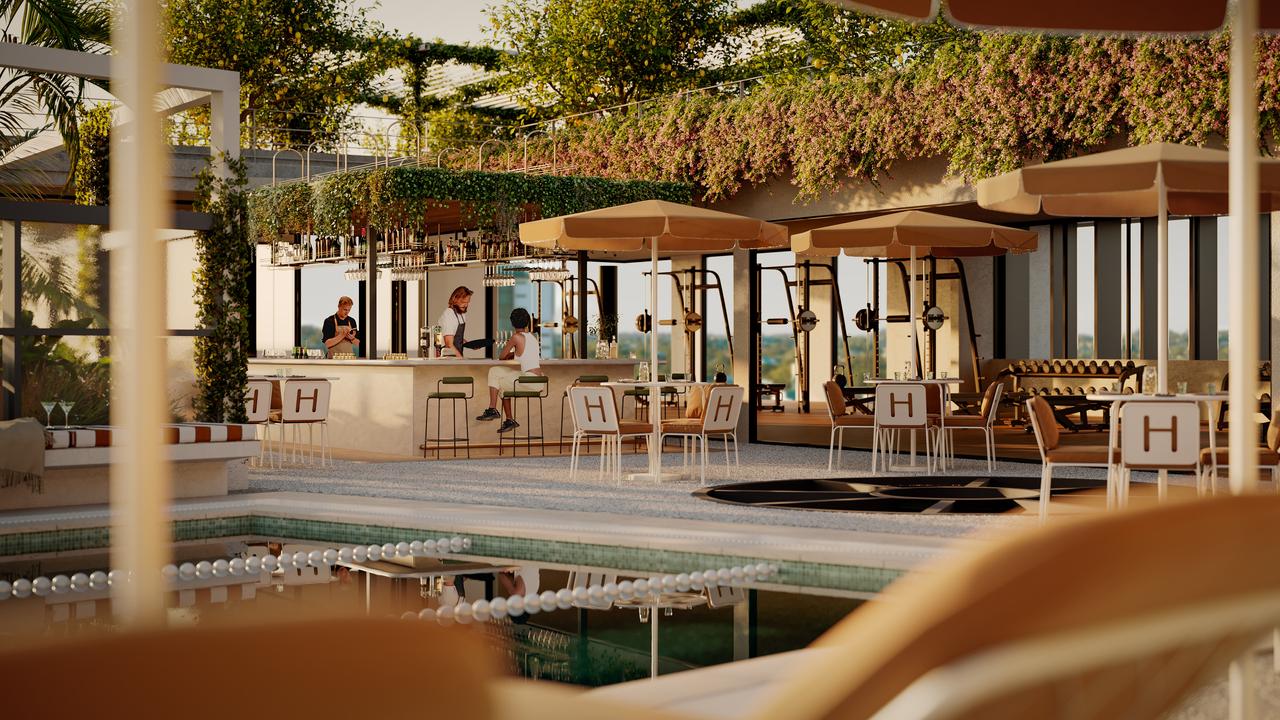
(455,21)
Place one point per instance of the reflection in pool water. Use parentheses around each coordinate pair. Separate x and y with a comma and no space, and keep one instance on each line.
(599,635)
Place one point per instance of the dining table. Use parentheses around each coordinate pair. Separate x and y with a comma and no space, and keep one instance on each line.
(943,383)
(655,473)
(1210,400)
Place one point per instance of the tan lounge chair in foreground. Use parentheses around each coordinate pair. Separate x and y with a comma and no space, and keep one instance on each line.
(1115,615)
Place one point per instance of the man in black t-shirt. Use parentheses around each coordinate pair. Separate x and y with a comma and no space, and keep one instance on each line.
(339,330)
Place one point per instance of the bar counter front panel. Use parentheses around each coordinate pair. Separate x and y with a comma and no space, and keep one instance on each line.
(379,406)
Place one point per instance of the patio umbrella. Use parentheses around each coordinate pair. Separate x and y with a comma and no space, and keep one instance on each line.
(1144,181)
(653,225)
(912,234)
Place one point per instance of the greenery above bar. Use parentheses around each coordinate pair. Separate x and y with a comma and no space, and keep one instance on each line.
(397,197)
(984,102)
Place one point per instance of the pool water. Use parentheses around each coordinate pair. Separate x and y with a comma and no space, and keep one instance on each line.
(581,646)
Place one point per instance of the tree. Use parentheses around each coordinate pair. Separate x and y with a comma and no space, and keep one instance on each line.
(30,102)
(576,55)
(302,63)
(831,39)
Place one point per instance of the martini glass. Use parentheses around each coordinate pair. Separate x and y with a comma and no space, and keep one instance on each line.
(48,408)
(66,406)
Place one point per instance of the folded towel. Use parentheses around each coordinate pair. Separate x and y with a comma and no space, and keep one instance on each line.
(21,453)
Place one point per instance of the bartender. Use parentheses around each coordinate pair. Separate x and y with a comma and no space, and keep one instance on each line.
(339,331)
(453,324)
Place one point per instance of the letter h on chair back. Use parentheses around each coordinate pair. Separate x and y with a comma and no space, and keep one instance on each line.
(595,412)
(306,402)
(257,410)
(899,407)
(1157,436)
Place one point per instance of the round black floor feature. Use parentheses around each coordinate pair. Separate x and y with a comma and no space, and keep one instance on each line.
(896,494)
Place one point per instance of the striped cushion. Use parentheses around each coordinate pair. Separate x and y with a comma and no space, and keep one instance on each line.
(176,434)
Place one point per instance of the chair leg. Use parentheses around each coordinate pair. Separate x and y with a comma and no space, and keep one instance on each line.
(702,439)
(875,447)
(831,449)
(1046,489)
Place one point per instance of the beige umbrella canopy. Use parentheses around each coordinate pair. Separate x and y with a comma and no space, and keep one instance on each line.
(653,225)
(928,233)
(1127,183)
(640,225)
(912,234)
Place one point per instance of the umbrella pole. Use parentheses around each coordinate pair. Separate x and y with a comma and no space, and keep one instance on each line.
(911,310)
(655,395)
(1162,282)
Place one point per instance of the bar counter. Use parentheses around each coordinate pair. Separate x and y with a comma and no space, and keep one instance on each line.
(379,406)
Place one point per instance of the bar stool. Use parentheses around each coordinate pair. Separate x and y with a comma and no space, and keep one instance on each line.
(581,381)
(453,396)
(527,396)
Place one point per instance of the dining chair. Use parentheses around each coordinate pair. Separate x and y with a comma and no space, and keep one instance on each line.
(305,403)
(1268,460)
(595,412)
(841,420)
(899,407)
(1157,436)
(257,410)
(718,417)
(982,422)
(1048,440)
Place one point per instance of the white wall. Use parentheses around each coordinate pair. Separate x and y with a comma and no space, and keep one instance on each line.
(274,309)
(440,284)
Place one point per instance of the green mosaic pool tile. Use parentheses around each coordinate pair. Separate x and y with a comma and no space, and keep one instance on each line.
(206,528)
(631,559)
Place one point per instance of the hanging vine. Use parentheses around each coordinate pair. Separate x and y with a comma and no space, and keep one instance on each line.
(392,197)
(222,276)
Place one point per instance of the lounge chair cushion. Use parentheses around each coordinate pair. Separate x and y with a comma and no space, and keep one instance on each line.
(177,434)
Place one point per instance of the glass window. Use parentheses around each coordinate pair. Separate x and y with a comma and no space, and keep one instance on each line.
(714,320)
(855,284)
(1224,287)
(1085,299)
(322,285)
(1131,294)
(1179,289)
(777,342)
(61,275)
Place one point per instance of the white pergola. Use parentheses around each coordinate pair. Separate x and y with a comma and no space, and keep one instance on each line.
(140,474)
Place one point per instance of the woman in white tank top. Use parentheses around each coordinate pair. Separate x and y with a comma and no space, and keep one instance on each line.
(522,346)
